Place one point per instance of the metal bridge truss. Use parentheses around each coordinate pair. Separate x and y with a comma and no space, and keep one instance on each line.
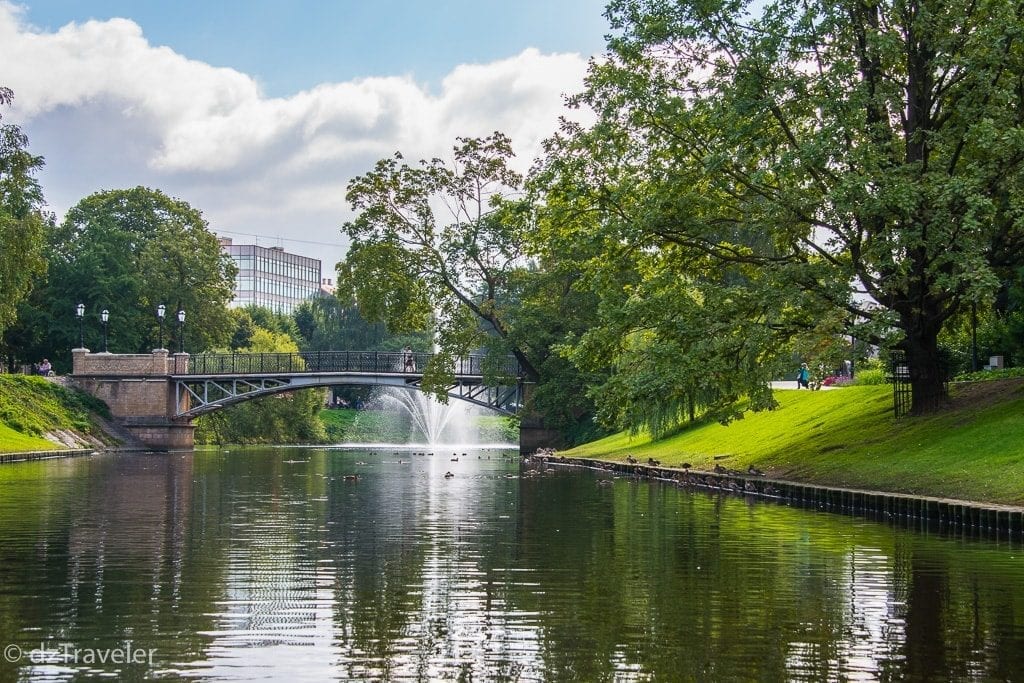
(196,395)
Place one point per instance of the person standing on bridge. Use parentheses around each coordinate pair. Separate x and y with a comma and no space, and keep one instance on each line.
(409,360)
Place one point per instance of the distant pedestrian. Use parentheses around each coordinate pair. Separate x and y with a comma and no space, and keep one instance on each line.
(803,377)
(409,360)
(45,369)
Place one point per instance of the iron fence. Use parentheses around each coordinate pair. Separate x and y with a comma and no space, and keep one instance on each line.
(902,391)
(373,362)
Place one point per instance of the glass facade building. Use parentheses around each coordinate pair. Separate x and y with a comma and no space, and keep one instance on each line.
(271,277)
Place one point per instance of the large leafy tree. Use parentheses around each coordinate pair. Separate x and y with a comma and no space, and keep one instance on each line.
(326,323)
(865,157)
(290,417)
(128,251)
(671,337)
(435,245)
(22,221)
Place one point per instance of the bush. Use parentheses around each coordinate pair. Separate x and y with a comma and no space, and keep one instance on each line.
(871,376)
(989,375)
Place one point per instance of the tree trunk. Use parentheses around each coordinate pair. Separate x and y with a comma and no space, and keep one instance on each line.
(927,371)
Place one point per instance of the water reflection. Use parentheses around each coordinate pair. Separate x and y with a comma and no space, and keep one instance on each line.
(273,564)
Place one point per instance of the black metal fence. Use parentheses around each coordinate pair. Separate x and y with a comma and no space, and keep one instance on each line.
(900,376)
(902,393)
(373,362)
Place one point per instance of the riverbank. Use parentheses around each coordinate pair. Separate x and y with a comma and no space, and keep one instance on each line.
(849,439)
(37,414)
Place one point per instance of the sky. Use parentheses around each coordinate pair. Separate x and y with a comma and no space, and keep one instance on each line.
(259,112)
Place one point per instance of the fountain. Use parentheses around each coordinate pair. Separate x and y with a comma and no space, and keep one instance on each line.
(436,422)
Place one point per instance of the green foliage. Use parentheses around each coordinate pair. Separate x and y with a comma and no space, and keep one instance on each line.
(22,222)
(793,151)
(326,324)
(990,375)
(497,429)
(871,377)
(372,426)
(338,424)
(290,417)
(345,425)
(414,270)
(32,406)
(128,251)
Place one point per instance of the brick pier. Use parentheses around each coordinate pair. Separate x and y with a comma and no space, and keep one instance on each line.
(140,393)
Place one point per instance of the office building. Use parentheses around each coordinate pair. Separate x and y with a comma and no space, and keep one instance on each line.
(271,277)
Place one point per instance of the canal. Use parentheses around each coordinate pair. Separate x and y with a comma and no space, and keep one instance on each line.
(280,564)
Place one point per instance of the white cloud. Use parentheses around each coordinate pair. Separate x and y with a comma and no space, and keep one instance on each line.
(107,109)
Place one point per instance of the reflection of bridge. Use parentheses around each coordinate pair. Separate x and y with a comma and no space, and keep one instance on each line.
(155,396)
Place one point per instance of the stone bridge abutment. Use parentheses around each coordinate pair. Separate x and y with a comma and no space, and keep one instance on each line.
(140,392)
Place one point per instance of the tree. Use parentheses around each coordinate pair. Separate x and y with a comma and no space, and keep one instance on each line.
(864,158)
(413,269)
(326,324)
(128,251)
(290,417)
(22,220)
(548,303)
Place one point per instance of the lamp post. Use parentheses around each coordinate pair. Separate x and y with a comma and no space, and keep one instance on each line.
(161,310)
(80,314)
(181,331)
(105,316)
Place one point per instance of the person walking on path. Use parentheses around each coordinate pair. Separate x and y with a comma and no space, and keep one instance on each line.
(803,377)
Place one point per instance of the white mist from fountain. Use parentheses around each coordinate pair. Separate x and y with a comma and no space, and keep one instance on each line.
(435,423)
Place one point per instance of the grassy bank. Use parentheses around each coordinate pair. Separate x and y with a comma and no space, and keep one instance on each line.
(848,437)
(33,409)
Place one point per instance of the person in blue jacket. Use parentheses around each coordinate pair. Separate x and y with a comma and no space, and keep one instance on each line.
(803,377)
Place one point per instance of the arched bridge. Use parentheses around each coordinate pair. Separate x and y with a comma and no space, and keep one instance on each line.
(215,380)
(155,396)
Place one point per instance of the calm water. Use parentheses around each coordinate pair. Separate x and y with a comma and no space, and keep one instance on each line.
(270,565)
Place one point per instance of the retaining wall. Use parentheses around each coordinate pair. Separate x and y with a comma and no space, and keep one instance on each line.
(45,455)
(1001,522)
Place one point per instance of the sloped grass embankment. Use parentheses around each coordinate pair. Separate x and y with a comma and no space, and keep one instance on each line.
(849,438)
(32,408)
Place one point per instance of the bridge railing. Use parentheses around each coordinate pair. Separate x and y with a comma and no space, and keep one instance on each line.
(376,362)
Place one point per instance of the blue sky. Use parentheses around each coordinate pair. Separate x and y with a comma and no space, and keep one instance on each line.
(292,46)
(259,113)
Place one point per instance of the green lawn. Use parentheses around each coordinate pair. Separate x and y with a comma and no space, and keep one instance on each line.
(15,442)
(32,406)
(848,437)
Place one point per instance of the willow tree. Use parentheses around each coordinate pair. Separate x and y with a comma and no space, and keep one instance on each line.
(868,153)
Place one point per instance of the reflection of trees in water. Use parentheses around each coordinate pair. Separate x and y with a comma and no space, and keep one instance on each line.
(114,557)
(697,587)
(406,574)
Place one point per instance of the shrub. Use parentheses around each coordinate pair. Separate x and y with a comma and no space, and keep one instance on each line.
(870,376)
(989,375)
